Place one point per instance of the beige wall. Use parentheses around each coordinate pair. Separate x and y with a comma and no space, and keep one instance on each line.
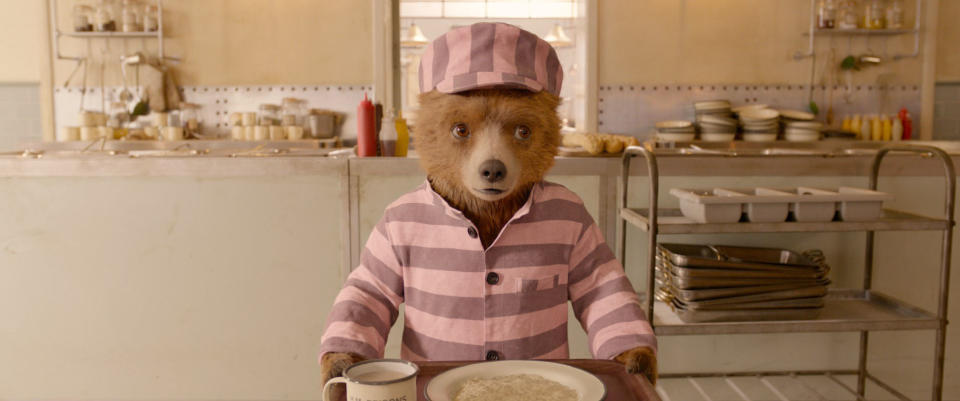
(252,42)
(948,41)
(730,41)
(21,40)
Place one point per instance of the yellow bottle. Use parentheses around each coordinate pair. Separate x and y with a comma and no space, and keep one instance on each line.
(887,128)
(403,136)
(855,126)
(845,125)
(876,128)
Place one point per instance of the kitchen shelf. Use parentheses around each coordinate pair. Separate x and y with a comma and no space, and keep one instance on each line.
(852,310)
(863,32)
(835,385)
(844,310)
(111,34)
(672,221)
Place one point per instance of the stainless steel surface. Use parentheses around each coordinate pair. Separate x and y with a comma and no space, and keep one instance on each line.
(738,300)
(672,221)
(771,385)
(688,295)
(735,257)
(771,305)
(844,310)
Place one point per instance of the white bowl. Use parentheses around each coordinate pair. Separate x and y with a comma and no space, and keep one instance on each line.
(717,120)
(758,137)
(673,124)
(758,115)
(711,105)
(756,106)
(802,136)
(797,115)
(813,125)
(675,137)
(717,137)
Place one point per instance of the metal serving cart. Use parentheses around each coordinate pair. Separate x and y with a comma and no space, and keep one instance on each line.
(847,310)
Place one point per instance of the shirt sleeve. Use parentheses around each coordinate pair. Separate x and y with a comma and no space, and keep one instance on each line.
(367,305)
(603,299)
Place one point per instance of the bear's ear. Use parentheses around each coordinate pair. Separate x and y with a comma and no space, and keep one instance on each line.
(548,100)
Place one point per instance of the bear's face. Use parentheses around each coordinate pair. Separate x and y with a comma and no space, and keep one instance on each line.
(489,143)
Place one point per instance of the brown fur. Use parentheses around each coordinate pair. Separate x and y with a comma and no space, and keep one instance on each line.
(441,154)
(640,361)
(332,364)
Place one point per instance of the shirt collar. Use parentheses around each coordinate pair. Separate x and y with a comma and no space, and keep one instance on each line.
(453,212)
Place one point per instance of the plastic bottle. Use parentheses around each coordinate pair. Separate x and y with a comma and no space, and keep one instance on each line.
(887,128)
(366,129)
(897,129)
(845,125)
(907,124)
(855,125)
(865,129)
(876,132)
(403,135)
(388,135)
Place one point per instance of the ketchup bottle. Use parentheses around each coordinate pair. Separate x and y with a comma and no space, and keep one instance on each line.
(366,129)
(907,124)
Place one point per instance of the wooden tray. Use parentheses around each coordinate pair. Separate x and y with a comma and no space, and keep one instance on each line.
(621,386)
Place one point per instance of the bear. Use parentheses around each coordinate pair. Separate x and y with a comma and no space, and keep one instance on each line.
(486,255)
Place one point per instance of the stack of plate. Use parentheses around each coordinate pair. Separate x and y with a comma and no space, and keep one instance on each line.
(759,124)
(715,118)
(725,283)
(676,131)
(798,126)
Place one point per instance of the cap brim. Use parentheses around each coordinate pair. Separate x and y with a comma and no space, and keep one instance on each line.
(486,80)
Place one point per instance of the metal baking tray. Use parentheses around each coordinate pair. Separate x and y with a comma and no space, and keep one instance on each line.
(735,257)
(710,316)
(697,272)
(732,292)
(793,293)
(690,283)
(808,302)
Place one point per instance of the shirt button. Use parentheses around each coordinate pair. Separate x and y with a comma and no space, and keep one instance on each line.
(493,278)
(492,356)
(472,232)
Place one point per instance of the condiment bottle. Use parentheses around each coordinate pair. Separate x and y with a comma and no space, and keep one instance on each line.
(865,129)
(876,128)
(403,135)
(366,129)
(855,125)
(388,135)
(827,14)
(907,124)
(845,125)
(887,128)
(847,16)
(897,129)
(895,14)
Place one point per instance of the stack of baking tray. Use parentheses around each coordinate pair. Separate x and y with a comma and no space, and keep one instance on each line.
(704,283)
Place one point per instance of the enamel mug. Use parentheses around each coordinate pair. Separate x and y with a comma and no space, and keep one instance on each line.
(378,380)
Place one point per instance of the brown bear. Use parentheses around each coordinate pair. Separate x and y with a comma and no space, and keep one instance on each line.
(485,254)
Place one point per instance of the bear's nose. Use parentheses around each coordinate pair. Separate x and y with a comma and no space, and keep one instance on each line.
(493,170)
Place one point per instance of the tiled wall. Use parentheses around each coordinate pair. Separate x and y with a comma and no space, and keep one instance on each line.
(946,116)
(20,119)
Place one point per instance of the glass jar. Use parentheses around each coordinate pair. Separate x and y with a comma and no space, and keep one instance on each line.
(130,16)
(874,15)
(293,112)
(82,18)
(190,117)
(105,21)
(269,114)
(895,14)
(827,14)
(847,15)
(151,21)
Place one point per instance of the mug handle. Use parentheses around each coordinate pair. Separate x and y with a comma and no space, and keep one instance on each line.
(326,387)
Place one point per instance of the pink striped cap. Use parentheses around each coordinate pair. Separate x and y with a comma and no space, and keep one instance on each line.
(490,55)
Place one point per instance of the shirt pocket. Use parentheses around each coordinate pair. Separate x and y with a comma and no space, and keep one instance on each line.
(528,285)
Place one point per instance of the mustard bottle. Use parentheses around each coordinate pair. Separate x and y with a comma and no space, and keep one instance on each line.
(845,125)
(403,135)
(855,125)
(887,128)
(876,128)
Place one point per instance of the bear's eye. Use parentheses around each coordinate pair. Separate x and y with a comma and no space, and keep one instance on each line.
(522,132)
(460,131)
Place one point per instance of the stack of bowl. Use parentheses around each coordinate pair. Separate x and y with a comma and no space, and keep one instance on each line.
(676,131)
(716,121)
(759,124)
(798,126)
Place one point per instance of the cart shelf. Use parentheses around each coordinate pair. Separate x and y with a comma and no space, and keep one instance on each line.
(672,221)
(844,310)
(838,385)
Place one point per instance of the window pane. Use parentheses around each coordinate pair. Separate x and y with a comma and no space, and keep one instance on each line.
(421,9)
(508,9)
(467,9)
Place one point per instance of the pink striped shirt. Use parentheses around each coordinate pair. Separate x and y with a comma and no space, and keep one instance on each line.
(508,301)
